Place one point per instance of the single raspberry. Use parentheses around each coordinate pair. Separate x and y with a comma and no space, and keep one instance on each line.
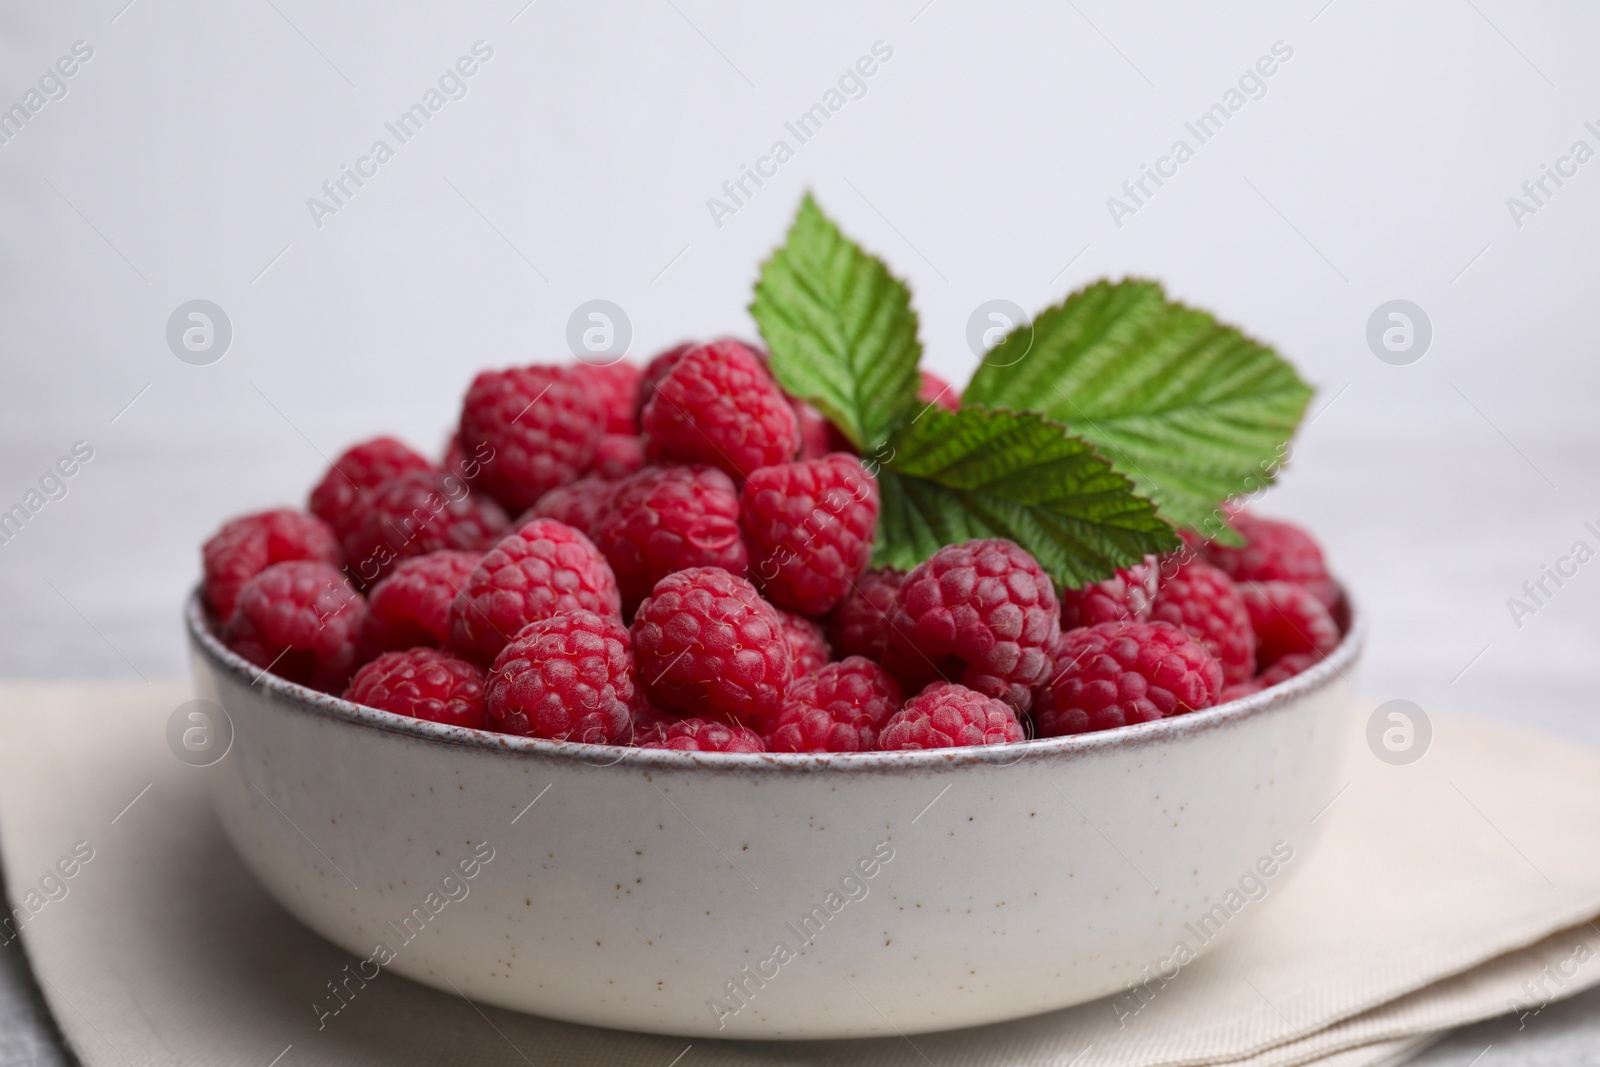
(618,386)
(1204,601)
(659,367)
(423,683)
(1275,551)
(859,626)
(808,645)
(815,440)
(301,620)
(338,499)
(417,513)
(701,735)
(578,505)
(542,423)
(1116,673)
(809,527)
(544,568)
(932,389)
(840,708)
(718,405)
(1286,667)
(568,677)
(982,612)
(665,519)
(248,545)
(1287,618)
(411,607)
(617,456)
(946,715)
(1123,597)
(706,642)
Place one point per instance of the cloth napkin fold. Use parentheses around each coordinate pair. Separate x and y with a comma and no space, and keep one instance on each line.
(1452,889)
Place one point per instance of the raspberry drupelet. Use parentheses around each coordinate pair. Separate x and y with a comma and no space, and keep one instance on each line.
(568,677)
(1115,674)
(544,568)
(542,424)
(946,715)
(423,683)
(809,526)
(248,545)
(718,405)
(666,519)
(982,612)
(706,643)
(300,620)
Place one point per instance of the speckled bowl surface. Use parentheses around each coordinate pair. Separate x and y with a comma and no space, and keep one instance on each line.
(778,895)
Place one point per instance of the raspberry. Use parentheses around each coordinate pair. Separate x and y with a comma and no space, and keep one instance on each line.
(618,386)
(841,708)
(665,519)
(1123,597)
(1116,673)
(809,527)
(808,645)
(339,497)
(706,642)
(815,440)
(543,569)
(617,456)
(659,367)
(718,405)
(422,683)
(411,607)
(859,626)
(578,505)
(983,612)
(1286,667)
(300,620)
(565,678)
(1275,551)
(417,513)
(702,735)
(1201,599)
(933,389)
(1287,618)
(542,423)
(248,545)
(946,715)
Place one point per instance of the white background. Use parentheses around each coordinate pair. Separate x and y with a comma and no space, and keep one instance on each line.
(979,162)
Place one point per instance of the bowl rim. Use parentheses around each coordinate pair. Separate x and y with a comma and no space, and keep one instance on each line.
(1315,678)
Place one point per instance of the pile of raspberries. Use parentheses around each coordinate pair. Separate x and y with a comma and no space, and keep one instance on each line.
(678,557)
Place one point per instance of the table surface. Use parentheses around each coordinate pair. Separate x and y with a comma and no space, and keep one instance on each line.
(1433,536)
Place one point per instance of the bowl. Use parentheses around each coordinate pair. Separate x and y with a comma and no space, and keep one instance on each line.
(777,895)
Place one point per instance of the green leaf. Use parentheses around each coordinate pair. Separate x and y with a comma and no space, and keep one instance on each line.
(951,476)
(840,328)
(1193,411)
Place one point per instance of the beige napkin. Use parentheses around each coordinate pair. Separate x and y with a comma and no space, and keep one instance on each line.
(1453,889)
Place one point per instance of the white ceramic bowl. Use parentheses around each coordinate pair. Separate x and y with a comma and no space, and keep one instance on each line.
(768,896)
